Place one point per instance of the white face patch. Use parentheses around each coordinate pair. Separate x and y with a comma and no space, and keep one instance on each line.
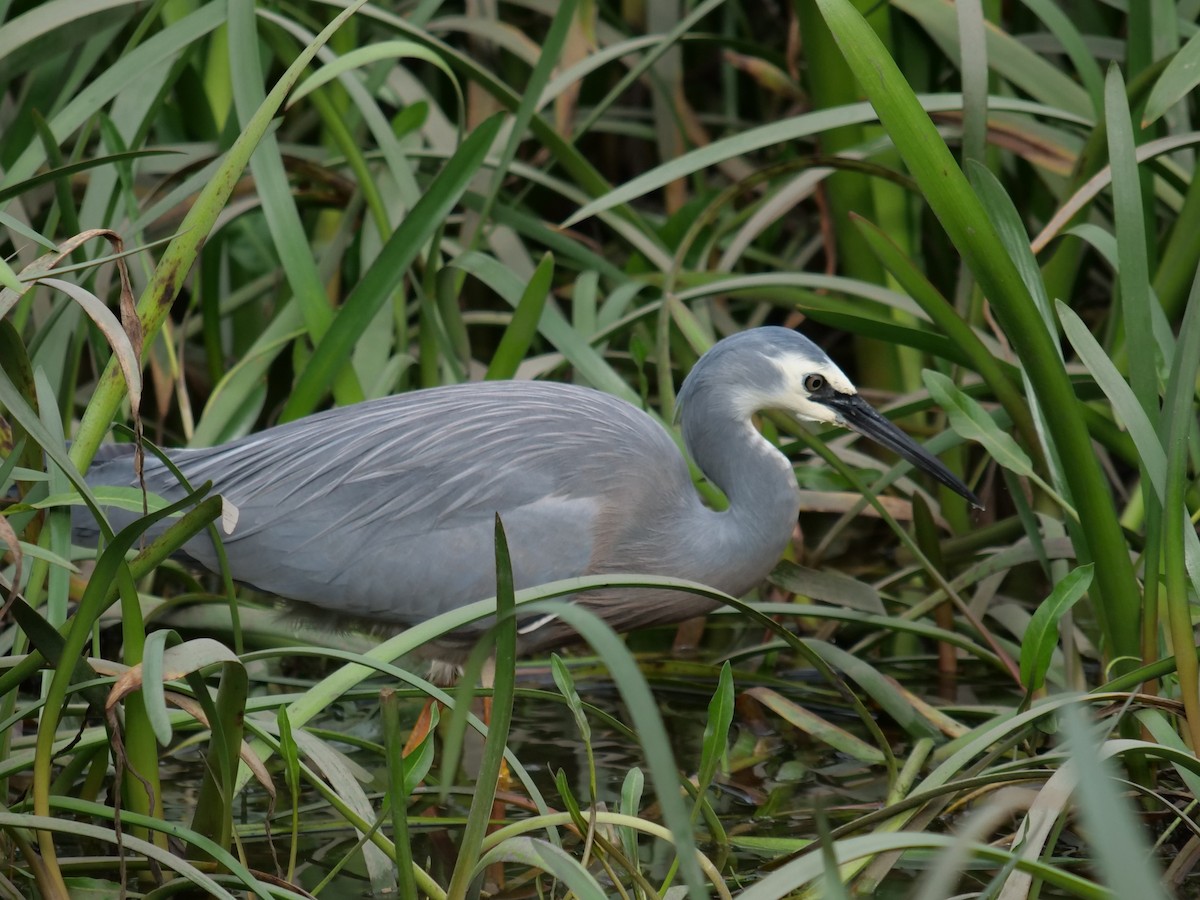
(796,370)
(794,398)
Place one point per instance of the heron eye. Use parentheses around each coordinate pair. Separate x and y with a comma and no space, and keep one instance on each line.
(813,383)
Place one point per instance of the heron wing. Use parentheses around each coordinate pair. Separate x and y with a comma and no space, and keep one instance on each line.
(428,460)
(386,508)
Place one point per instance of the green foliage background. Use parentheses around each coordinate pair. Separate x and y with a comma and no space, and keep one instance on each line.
(220,215)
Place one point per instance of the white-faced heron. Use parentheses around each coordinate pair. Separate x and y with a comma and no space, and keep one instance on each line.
(383,512)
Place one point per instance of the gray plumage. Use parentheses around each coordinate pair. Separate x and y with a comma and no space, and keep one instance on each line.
(383,512)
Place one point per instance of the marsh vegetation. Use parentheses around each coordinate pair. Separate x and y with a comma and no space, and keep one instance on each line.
(218,216)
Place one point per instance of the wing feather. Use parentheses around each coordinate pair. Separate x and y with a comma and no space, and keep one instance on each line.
(423,459)
(385,508)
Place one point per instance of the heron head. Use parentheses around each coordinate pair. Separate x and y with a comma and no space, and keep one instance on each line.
(777,368)
(816,390)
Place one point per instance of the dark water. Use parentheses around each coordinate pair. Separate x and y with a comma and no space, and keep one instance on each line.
(767,798)
(777,776)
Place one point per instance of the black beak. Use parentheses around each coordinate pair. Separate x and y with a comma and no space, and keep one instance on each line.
(858,415)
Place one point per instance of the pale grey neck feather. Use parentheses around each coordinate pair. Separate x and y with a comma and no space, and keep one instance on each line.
(747,539)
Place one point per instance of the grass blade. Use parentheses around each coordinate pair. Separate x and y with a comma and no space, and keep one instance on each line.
(466,867)
(389,269)
(1179,416)
(1041,637)
(519,334)
(181,253)
(974,235)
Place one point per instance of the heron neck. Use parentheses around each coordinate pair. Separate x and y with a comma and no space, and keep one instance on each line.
(749,537)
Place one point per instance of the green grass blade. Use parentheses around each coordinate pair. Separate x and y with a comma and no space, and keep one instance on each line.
(940,310)
(971,421)
(289,756)
(974,235)
(830,85)
(1151,456)
(1177,80)
(647,721)
(1179,415)
(815,726)
(75,830)
(1041,637)
(553,326)
(809,868)
(465,868)
(180,255)
(373,53)
(1119,394)
(787,131)
(716,735)
(1008,57)
(124,75)
(566,686)
(1133,266)
(215,809)
(631,803)
(1075,46)
(275,192)
(390,268)
(397,795)
(550,52)
(547,858)
(152,682)
(95,600)
(1119,843)
(519,334)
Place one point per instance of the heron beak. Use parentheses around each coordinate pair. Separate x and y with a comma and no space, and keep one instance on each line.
(856,414)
